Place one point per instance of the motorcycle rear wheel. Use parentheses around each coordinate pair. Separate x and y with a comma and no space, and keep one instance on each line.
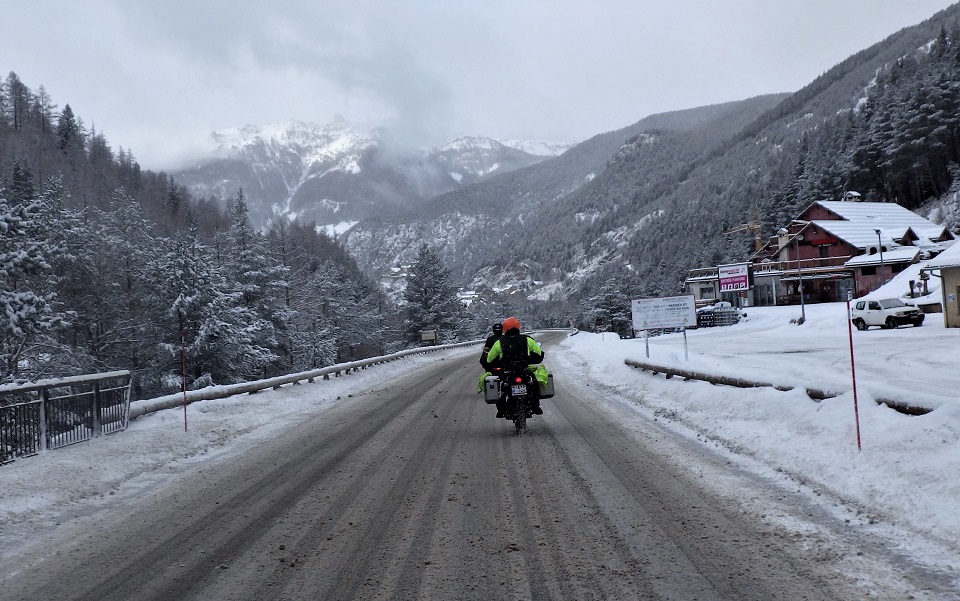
(520,422)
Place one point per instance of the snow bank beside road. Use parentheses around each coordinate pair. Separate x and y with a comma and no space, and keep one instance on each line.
(906,473)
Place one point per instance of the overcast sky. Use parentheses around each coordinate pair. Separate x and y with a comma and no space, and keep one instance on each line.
(159,76)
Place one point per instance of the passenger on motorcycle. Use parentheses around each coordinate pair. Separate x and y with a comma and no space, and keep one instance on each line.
(497,333)
(513,348)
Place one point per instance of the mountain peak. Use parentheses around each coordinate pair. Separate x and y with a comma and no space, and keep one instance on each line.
(302,134)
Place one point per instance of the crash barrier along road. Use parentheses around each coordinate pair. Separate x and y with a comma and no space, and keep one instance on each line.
(813,393)
(54,413)
(413,490)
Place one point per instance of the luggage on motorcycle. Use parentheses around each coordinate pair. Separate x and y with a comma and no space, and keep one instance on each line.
(513,349)
(546,391)
(491,389)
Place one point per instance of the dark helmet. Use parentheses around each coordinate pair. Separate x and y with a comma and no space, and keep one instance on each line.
(498,328)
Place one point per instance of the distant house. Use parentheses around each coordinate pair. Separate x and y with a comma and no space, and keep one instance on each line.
(947,267)
(832,249)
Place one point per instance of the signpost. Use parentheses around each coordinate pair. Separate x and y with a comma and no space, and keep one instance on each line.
(664,313)
(853,371)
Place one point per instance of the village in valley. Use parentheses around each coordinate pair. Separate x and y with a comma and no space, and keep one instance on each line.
(838,250)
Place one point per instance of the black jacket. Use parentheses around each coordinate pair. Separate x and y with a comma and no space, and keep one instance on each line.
(492,338)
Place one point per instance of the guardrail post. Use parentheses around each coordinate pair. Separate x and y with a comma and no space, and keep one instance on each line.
(44,393)
(96,409)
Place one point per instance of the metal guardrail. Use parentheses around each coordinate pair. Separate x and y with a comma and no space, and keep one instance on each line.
(814,393)
(103,408)
(50,414)
(140,408)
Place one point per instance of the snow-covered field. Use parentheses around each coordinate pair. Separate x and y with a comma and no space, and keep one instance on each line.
(905,477)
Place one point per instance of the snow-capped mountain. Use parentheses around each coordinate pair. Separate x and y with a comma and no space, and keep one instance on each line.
(337,175)
(539,148)
(325,173)
(472,159)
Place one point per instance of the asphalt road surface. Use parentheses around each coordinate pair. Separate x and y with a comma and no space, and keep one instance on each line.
(416,491)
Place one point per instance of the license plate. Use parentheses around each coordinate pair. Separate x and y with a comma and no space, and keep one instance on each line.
(518,389)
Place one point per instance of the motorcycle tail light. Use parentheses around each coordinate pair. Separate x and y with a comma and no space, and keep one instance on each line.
(519,379)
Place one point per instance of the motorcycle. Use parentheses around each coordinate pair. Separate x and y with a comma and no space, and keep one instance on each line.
(517,389)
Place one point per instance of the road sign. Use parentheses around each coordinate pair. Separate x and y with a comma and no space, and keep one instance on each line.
(664,313)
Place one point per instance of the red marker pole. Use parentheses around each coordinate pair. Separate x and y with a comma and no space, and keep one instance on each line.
(853,373)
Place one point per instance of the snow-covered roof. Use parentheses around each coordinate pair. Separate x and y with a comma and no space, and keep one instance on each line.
(898,254)
(928,245)
(929,232)
(859,222)
(948,258)
(882,215)
(862,234)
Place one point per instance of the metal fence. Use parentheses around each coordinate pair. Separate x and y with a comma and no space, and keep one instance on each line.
(49,414)
(717,317)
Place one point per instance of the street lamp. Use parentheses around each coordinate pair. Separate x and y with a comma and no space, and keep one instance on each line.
(803,312)
(880,246)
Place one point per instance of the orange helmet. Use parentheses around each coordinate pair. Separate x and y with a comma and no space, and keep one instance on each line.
(511,323)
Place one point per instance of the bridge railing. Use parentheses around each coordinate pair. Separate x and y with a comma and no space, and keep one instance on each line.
(54,413)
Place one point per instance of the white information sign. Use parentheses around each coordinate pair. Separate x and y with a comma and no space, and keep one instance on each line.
(663,312)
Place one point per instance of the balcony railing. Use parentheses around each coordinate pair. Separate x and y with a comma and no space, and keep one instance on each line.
(812,265)
(819,264)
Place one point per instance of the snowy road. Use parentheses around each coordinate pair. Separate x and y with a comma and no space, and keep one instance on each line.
(415,491)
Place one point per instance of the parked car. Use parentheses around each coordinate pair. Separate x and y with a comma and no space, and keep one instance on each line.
(884,313)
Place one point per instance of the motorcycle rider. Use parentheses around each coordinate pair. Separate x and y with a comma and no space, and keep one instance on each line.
(497,329)
(514,347)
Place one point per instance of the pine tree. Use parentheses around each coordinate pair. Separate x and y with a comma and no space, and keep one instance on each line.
(44,109)
(27,314)
(126,247)
(220,334)
(430,300)
(259,280)
(21,188)
(18,97)
(75,278)
(609,309)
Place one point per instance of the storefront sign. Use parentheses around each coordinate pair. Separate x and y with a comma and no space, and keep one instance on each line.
(734,277)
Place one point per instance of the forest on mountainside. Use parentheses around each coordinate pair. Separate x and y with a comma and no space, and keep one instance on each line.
(106,266)
(898,140)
